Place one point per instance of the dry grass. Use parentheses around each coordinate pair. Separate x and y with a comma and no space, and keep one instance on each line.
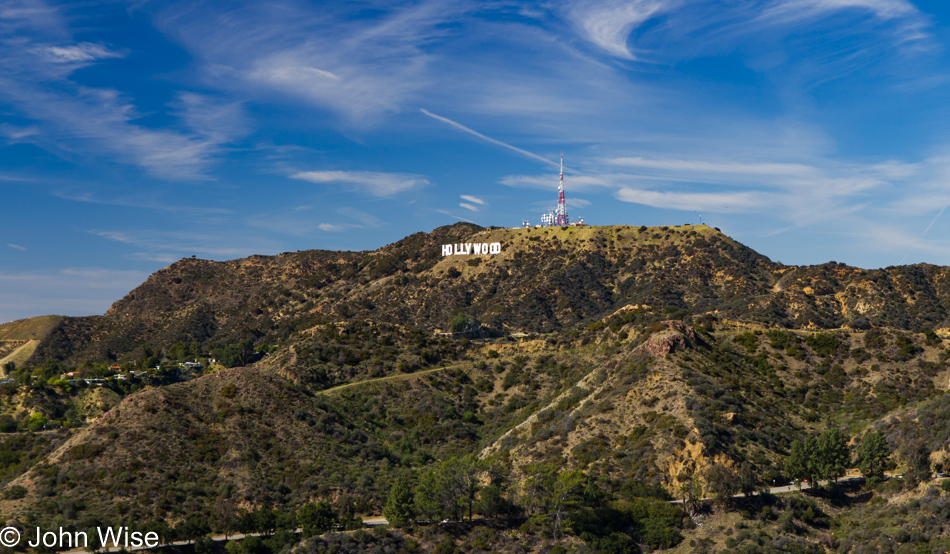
(30,328)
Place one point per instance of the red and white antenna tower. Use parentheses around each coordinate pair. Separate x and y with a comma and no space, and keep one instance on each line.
(561,217)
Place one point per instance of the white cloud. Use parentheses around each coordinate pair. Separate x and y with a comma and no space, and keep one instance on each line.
(909,24)
(571,183)
(730,167)
(450,214)
(69,118)
(365,220)
(577,202)
(217,120)
(80,52)
(303,221)
(375,183)
(359,67)
(473,199)
(692,201)
(150,201)
(885,9)
(69,291)
(162,245)
(608,23)
(468,206)
(16,246)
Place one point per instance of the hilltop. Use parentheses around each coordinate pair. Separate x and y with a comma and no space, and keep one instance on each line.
(544,280)
(642,357)
(19,339)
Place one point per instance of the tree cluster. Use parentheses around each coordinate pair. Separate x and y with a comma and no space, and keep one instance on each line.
(826,456)
(551,502)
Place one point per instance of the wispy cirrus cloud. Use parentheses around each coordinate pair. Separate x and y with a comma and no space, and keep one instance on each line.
(692,201)
(573,182)
(80,52)
(793,10)
(608,23)
(145,201)
(332,227)
(305,221)
(453,216)
(358,67)
(166,246)
(37,65)
(472,203)
(16,247)
(473,199)
(67,291)
(716,167)
(376,183)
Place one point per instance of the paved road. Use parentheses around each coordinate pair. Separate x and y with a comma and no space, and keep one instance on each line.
(790,488)
(370,521)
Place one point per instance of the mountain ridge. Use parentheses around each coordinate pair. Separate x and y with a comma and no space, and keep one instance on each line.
(642,357)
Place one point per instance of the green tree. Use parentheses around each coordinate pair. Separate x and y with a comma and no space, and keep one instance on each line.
(916,455)
(723,482)
(192,528)
(564,496)
(833,457)
(799,465)
(316,519)
(400,508)
(873,454)
(748,481)
(492,502)
(691,492)
(462,323)
(457,486)
(37,422)
(265,521)
(427,495)
(554,494)
(224,516)
(235,355)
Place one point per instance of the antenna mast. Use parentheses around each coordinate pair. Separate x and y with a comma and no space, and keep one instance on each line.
(561,218)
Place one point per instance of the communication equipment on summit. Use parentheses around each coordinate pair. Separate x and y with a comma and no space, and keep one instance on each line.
(558,216)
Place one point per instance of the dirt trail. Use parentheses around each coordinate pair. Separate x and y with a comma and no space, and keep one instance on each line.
(21,354)
(389,378)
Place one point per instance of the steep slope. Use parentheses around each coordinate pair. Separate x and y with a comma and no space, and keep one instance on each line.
(19,339)
(670,399)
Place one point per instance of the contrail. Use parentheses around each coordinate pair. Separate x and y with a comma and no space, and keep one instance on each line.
(461,127)
(936,217)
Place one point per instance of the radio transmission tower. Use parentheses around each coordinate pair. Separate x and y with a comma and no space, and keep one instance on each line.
(561,218)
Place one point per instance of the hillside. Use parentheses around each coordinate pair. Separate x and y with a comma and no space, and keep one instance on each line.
(639,358)
(19,339)
(544,280)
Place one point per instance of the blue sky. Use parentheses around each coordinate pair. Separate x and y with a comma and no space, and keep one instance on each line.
(133,134)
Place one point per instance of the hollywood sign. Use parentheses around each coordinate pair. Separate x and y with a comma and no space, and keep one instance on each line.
(470,248)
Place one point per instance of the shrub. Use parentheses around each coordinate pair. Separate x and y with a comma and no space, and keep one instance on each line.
(14,493)
(748,340)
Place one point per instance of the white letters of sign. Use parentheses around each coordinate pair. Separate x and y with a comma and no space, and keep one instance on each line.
(468,248)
